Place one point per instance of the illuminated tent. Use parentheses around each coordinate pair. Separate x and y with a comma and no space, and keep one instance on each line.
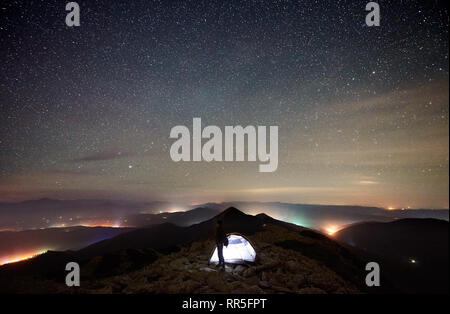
(238,251)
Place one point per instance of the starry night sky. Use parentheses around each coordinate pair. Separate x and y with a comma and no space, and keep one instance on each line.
(362,112)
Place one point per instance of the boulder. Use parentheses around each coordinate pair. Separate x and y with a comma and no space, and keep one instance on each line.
(216,282)
(264,284)
(234,285)
(292,266)
(189,286)
(238,270)
(252,280)
(281,289)
(249,272)
(254,290)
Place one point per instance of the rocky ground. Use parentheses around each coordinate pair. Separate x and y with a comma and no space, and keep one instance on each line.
(276,270)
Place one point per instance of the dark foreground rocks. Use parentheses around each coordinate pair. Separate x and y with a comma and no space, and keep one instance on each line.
(276,270)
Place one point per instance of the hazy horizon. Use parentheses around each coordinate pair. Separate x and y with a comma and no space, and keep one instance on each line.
(194,205)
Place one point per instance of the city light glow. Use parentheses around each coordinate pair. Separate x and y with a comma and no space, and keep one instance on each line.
(21,257)
(331,230)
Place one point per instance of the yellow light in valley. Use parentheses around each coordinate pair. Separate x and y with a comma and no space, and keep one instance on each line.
(21,257)
(331,230)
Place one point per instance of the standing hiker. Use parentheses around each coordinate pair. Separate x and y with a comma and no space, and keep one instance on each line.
(221,240)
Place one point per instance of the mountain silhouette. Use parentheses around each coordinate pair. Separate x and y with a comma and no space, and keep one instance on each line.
(415,251)
(181,218)
(28,214)
(167,258)
(167,235)
(140,247)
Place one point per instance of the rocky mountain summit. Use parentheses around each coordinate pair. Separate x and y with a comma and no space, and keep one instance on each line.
(276,270)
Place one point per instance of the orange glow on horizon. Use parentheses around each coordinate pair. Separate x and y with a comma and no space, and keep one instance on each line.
(7,229)
(331,230)
(21,257)
(104,225)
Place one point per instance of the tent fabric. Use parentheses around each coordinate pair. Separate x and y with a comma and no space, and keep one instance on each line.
(239,250)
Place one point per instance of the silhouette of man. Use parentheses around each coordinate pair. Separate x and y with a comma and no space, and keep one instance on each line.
(221,239)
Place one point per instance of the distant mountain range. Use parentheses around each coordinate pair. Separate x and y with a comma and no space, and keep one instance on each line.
(45,213)
(185,218)
(17,244)
(319,216)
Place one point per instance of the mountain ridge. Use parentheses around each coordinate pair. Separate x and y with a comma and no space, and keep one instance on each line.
(167,245)
(167,258)
(415,250)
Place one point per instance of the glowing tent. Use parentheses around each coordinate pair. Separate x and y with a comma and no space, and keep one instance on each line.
(239,250)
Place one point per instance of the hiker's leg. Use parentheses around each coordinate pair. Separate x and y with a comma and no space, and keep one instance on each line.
(220,253)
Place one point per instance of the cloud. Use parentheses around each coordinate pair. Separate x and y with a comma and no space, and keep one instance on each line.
(366,182)
(104,155)
(77,172)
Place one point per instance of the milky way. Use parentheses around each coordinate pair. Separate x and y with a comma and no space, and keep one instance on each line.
(362,111)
